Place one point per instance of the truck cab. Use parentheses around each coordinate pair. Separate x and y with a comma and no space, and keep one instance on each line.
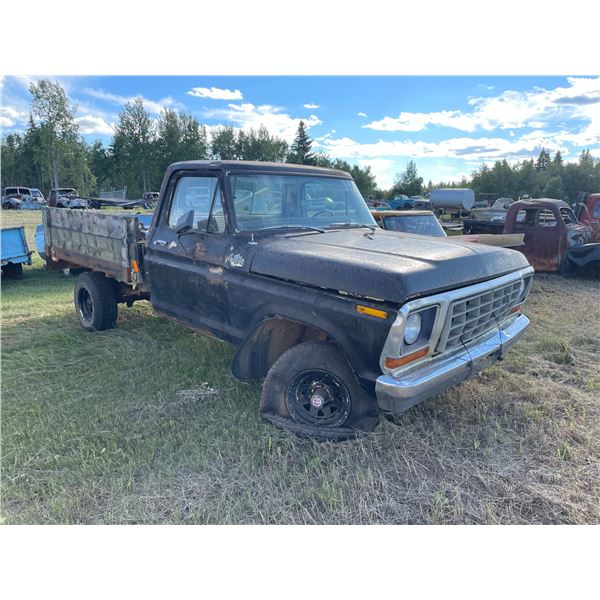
(554,240)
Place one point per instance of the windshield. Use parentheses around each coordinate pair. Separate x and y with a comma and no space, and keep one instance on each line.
(36,193)
(269,201)
(419,224)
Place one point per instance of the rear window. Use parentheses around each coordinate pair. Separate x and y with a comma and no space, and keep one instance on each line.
(546,218)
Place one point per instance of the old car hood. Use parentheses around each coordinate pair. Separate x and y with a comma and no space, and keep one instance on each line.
(386,265)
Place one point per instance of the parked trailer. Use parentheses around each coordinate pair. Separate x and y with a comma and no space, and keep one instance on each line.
(14,253)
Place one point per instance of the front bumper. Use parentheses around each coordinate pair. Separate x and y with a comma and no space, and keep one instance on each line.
(399,393)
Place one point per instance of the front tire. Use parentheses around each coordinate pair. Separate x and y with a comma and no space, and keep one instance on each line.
(95,302)
(312,391)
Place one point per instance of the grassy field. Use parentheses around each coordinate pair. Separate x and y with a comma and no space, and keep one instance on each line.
(144,424)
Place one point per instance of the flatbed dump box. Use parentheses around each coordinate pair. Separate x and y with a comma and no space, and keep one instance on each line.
(106,242)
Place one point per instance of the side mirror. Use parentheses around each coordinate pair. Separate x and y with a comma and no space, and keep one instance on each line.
(185,222)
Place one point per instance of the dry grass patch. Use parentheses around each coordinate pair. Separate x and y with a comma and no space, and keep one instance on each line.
(143,424)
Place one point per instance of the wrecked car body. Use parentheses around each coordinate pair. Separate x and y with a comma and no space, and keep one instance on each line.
(554,240)
(340,318)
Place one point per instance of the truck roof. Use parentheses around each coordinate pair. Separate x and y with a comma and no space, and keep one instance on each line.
(537,202)
(249,165)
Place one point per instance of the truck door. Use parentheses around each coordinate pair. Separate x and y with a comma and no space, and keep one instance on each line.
(543,243)
(186,269)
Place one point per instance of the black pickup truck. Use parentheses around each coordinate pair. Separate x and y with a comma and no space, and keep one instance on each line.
(339,317)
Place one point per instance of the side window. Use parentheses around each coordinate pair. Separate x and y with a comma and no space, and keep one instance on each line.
(546,218)
(193,193)
(526,218)
(567,216)
(596,212)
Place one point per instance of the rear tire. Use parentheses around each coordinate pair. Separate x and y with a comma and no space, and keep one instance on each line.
(312,391)
(95,302)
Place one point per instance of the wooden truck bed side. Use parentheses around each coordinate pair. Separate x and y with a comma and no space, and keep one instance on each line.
(110,243)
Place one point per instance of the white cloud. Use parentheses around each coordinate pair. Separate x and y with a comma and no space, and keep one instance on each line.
(311,106)
(11,117)
(362,114)
(216,93)
(465,148)
(274,118)
(94,124)
(383,168)
(152,106)
(407,121)
(579,100)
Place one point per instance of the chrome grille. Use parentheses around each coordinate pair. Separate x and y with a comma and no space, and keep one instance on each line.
(469,317)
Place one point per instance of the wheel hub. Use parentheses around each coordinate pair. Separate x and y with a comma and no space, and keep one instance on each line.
(317,397)
(317,400)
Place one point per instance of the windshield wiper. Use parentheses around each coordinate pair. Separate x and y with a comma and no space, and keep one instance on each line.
(304,227)
(339,225)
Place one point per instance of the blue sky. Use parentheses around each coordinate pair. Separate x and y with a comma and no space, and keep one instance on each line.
(448,125)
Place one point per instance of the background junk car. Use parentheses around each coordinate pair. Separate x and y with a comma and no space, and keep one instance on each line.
(339,317)
(22,198)
(554,240)
(424,222)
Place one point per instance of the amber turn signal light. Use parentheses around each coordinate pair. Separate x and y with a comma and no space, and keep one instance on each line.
(373,312)
(394,363)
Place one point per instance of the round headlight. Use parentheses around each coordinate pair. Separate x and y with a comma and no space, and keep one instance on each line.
(412,329)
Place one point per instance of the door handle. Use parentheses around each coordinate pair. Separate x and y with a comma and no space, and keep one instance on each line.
(160,242)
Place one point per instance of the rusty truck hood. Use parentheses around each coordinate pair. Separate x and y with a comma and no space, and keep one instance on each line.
(387,265)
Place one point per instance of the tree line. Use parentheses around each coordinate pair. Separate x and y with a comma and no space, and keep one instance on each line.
(52,153)
(544,177)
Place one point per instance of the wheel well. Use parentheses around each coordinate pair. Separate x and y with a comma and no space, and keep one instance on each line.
(267,342)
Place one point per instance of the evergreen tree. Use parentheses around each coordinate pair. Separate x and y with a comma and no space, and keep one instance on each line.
(9,159)
(301,148)
(543,160)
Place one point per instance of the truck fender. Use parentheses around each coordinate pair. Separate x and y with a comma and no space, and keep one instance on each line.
(267,341)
